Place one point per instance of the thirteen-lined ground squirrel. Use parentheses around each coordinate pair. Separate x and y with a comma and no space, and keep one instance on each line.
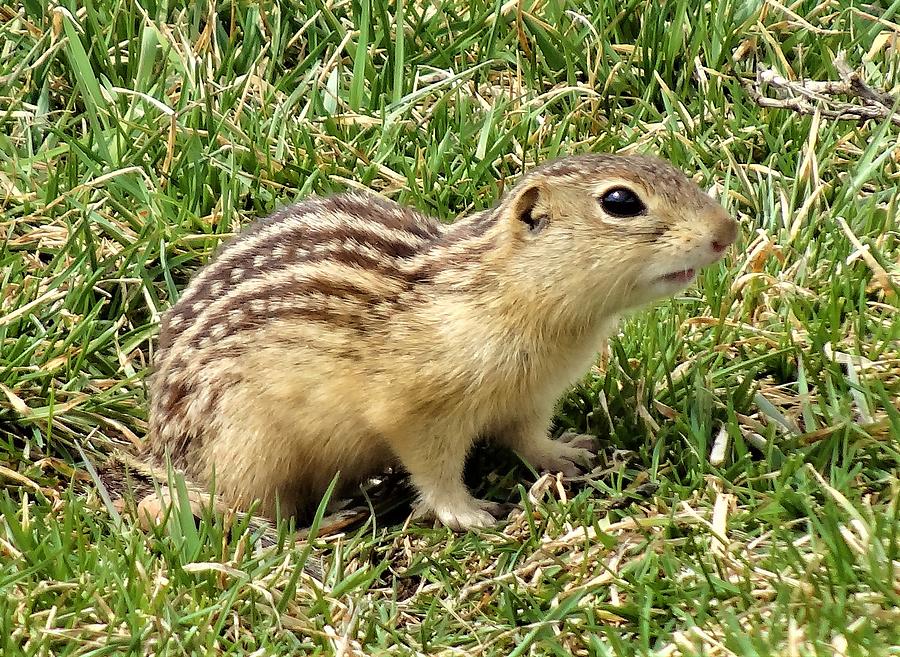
(350,333)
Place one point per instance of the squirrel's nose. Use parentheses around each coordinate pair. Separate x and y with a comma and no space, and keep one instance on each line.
(724,235)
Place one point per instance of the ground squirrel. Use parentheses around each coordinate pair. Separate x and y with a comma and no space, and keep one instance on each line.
(346,334)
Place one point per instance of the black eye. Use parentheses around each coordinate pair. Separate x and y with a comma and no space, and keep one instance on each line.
(622,202)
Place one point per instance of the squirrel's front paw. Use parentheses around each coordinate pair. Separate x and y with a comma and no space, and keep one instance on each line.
(568,455)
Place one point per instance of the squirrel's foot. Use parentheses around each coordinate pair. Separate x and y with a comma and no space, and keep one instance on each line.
(152,509)
(568,454)
(463,514)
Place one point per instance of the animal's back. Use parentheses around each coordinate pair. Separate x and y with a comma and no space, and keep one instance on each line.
(288,253)
(275,324)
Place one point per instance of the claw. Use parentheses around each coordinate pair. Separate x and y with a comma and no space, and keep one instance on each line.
(581,440)
(464,517)
(567,455)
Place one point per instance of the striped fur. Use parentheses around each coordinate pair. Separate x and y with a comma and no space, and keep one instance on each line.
(344,334)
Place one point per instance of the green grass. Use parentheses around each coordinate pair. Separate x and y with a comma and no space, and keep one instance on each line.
(134,136)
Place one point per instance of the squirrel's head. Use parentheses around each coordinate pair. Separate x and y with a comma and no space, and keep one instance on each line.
(621,229)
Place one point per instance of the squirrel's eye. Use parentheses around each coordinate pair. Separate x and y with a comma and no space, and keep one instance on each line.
(622,202)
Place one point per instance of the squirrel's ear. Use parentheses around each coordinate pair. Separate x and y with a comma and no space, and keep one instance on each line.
(530,209)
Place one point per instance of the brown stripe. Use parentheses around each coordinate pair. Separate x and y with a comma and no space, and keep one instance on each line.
(298,245)
(308,206)
(165,333)
(358,323)
(316,291)
(470,228)
(309,299)
(179,445)
(300,238)
(430,268)
(318,311)
(171,427)
(320,287)
(174,397)
(171,433)
(296,250)
(363,207)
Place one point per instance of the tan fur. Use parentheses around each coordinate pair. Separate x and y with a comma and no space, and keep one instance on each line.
(408,341)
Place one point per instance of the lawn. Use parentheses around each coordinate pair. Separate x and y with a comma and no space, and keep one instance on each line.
(746,496)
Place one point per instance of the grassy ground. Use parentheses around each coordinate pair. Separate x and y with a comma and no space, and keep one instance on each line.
(763,403)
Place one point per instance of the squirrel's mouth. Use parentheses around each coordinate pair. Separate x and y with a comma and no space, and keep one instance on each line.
(683,276)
